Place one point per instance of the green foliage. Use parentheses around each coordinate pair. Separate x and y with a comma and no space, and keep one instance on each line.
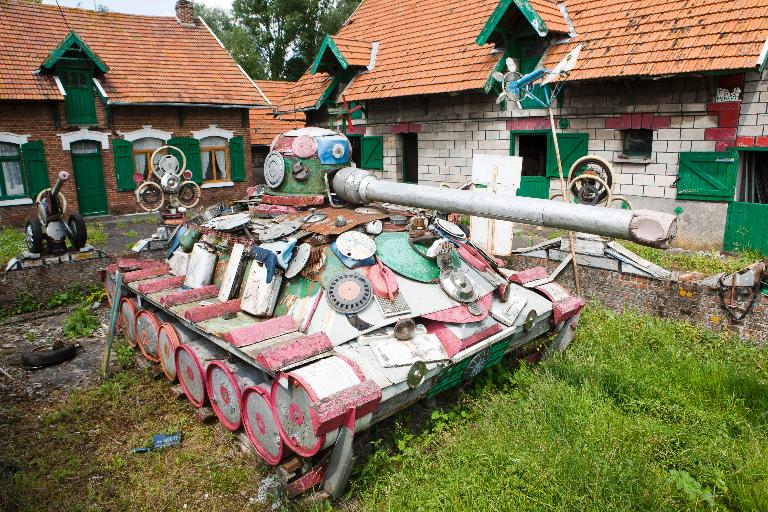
(81,323)
(640,413)
(12,243)
(131,233)
(276,39)
(709,263)
(97,235)
(124,355)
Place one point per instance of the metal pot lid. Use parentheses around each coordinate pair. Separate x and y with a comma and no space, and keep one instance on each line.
(315,217)
(356,245)
(299,261)
(458,286)
(395,252)
(274,169)
(450,229)
(280,230)
(349,293)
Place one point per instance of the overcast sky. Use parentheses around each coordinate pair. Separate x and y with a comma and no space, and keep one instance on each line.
(151,7)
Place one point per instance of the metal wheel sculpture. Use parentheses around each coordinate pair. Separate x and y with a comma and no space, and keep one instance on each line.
(168,177)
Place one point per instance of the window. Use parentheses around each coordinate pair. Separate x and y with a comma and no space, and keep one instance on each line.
(213,156)
(12,183)
(142,152)
(85,147)
(637,143)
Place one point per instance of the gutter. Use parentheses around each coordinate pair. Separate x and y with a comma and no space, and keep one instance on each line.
(179,104)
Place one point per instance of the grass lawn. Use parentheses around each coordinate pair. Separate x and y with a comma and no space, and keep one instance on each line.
(708,263)
(639,414)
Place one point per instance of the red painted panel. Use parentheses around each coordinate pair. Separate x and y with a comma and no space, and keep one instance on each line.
(302,200)
(723,145)
(728,119)
(647,122)
(332,411)
(745,142)
(613,123)
(723,134)
(163,283)
(277,358)
(714,108)
(761,142)
(528,275)
(661,122)
(209,311)
(260,331)
(187,296)
(731,81)
(147,273)
(637,121)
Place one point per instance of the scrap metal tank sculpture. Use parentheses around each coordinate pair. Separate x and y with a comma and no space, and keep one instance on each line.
(333,299)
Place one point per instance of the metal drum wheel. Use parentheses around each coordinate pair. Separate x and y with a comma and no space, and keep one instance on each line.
(150,196)
(147,327)
(260,424)
(349,293)
(224,392)
(582,182)
(191,374)
(167,341)
(128,312)
(306,386)
(189,194)
(274,169)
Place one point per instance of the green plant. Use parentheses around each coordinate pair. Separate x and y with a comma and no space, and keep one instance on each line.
(131,233)
(12,243)
(124,355)
(708,263)
(81,323)
(97,235)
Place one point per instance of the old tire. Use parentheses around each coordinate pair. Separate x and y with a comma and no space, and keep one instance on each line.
(39,359)
(78,230)
(33,232)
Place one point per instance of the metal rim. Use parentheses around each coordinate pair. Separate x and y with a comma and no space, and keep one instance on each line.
(147,325)
(129,307)
(224,393)
(349,293)
(250,397)
(190,372)
(167,341)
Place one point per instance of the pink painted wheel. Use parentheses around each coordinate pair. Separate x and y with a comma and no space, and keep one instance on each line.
(127,320)
(224,392)
(304,146)
(292,405)
(191,374)
(167,341)
(147,327)
(260,424)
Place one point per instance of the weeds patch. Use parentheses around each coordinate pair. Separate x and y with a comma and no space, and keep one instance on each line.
(640,414)
(12,243)
(81,323)
(97,235)
(709,263)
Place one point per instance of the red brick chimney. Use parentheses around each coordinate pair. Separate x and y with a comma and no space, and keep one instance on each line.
(185,12)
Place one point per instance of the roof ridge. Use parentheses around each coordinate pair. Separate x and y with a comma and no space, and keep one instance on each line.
(80,10)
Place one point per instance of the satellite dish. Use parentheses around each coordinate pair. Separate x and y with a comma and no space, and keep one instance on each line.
(563,67)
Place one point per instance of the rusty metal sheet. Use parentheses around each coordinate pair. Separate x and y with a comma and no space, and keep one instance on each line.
(354,219)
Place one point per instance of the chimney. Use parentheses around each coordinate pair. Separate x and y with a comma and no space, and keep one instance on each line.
(185,12)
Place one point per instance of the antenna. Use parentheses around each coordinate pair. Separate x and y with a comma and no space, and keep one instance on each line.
(61,11)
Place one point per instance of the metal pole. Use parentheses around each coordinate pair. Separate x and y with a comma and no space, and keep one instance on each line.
(562,191)
(112,326)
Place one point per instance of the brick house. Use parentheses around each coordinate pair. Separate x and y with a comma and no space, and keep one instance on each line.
(673,94)
(96,93)
(268,124)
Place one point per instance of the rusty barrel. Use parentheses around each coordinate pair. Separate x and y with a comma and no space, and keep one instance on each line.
(167,341)
(192,358)
(224,383)
(147,329)
(294,394)
(127,320)
(260,424)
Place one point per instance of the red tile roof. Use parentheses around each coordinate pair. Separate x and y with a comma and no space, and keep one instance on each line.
(356,53)
(264,125)
(428,46)
(151,59)
(660,37)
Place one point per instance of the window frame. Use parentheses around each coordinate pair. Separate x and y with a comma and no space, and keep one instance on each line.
(211,150)
(20,159)
(642,155)
(147,153)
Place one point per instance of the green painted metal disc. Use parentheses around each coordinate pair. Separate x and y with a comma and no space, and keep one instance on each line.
(395,252)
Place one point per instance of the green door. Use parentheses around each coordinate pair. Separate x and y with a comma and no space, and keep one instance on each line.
(745,227)
(89,177)
(534,186)
(79,104)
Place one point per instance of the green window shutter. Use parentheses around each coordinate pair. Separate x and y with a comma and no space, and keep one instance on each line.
(534,186)
(572,147)
(707,176)
(123,151)
(35,167)
(372,153)
(191,149)
(236,159)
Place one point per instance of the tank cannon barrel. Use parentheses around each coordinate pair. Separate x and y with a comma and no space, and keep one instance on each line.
(646,227)
(63,177)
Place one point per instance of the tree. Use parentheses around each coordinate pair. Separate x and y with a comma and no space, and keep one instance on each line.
(276,39)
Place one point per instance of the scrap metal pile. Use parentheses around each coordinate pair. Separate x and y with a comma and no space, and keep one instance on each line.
(331,300)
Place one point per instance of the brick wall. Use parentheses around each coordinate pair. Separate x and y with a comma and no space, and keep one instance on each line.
(669,299)
(45,120)
(680,111)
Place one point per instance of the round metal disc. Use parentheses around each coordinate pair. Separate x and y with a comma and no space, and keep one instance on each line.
(146,334)
(225,397)
(356,245)
(166,347)
(476,365)
(280,230)
(293,410)
(451,229)
(128,319)
(416,374)
(458,286)
(476,309)
(299,261)
(349,293)
(260,424)
(191,378)
(304,146)
(274,169)
(530,319)
(315,217)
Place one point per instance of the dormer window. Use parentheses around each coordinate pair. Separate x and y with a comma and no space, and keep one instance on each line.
(79,103)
